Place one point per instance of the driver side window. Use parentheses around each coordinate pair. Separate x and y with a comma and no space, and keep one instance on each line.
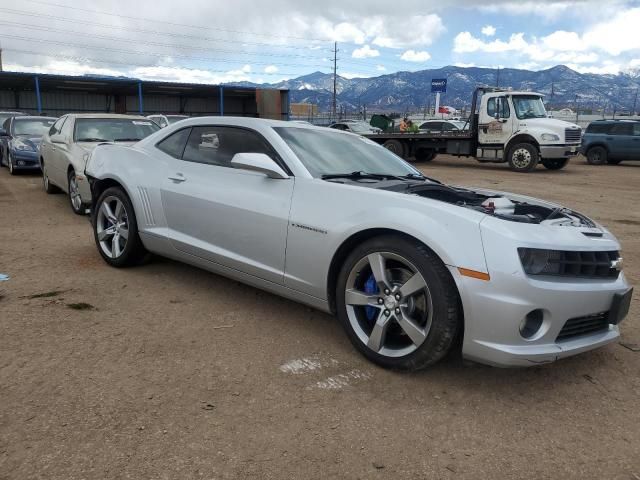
(498,106)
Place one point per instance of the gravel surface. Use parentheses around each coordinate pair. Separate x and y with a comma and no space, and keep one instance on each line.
(167,371)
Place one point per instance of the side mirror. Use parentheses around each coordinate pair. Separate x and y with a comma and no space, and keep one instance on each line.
(4,133)
(258,162)
(57,138)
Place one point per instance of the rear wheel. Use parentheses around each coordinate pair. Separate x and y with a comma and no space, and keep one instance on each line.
(115,229)
(523,157)
(395,146)
(555,163)
(75,200)
(424,155)
(597,156)
(398,303)
(48,186)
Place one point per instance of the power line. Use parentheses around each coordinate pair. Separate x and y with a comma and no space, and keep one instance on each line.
(152,32)
(173,24)
(143,42)
(132,52)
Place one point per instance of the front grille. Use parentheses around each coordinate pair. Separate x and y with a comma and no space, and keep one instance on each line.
(583,326)
(587,264)
(572,135)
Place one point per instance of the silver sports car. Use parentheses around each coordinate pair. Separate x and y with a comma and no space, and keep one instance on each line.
(332,220)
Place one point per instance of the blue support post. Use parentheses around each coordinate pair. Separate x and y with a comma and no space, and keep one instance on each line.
(140,104)
(221,101)
(38,98)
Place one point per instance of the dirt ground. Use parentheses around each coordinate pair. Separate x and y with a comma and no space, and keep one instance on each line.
(169,372)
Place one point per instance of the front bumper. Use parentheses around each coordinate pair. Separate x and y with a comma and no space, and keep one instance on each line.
(559,151)
(23,160)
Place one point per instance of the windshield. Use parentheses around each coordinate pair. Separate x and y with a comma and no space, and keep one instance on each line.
(175,118)
(529,107)
(459,124)
(35,127)
(113,129)
(324,152)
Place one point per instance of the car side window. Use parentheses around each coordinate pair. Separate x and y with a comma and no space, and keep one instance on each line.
(56,127)
(67,129)
(448,127)
(636,129)
(621,129)
(217,145)
(6,123)
(174,144)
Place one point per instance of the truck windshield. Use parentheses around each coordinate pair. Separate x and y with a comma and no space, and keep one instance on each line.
(529,106)
(326,152)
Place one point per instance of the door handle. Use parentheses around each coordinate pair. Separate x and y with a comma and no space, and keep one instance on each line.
(177,178)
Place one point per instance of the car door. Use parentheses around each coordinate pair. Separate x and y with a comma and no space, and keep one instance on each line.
(619,140)
(634,153)
(495,122)
(235,218)
(63,153)
(49,151)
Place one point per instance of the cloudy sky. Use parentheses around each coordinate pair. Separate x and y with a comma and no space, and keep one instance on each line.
(270,40)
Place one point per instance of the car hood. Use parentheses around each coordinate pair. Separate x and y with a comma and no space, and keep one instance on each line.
(33,141)
(547,123)
(90,146)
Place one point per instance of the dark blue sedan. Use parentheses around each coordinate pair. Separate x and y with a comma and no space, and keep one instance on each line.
(20,139)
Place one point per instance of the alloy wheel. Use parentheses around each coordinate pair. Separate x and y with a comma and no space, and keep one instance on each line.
(388,304)
(112,226)
(74,193)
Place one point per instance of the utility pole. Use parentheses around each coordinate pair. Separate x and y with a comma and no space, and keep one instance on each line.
(498,77)
(1,58)
(335,78)
(635,99)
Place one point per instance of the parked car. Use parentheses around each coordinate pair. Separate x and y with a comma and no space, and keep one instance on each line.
(166,120)
(20,139)
(433,126)
(406,262)
(5,115)
(71,139)
(611,141)
(355,126)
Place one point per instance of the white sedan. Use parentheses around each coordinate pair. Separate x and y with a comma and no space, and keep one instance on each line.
(333,220)
(66,146)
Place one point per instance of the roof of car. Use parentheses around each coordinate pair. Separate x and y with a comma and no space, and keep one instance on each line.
(616,120)
(108,115)
(36,117)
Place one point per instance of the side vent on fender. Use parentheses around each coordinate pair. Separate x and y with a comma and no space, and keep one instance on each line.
(146,207)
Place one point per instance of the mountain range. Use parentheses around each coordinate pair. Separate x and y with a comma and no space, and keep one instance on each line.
(410,91)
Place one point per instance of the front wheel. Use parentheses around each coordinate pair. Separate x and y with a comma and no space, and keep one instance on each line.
(398,303)
(523,157)
(424,155)
(597,156)
(555,163)
(75,200)
(116,231)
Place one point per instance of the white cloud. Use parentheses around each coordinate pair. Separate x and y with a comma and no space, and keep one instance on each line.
(617,35)
(381,68)
(415,56)
(488,30)
(464,42)
(271,69)
(365,52)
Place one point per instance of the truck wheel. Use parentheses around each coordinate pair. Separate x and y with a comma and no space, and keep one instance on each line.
(597,156)
(395,146)
(424,155)
(523,157)
(555,163)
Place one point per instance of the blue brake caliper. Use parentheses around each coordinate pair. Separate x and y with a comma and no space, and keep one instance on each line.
(371,288)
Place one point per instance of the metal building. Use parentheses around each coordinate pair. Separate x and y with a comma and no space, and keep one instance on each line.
(59,94)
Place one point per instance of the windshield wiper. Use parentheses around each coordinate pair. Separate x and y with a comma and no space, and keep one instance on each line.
(91,139)
(377,176)
(127,140)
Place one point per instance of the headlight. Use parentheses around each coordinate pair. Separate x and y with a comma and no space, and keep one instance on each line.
(550,137)
(540,262)
(24,147)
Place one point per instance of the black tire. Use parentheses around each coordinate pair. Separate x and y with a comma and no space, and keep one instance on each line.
(77,208)
(613,161)
(597,155)
(523,157)
(134,252)
(395,146)
(425,155)
(49,187)
(2,158)
(555,163)
(446,318)
(12,170)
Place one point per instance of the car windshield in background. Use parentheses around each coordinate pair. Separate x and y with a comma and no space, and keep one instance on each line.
(529,107)
(113,129)
(35,127)
(324,152)
(360,126)
(460,125)
(175,118)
